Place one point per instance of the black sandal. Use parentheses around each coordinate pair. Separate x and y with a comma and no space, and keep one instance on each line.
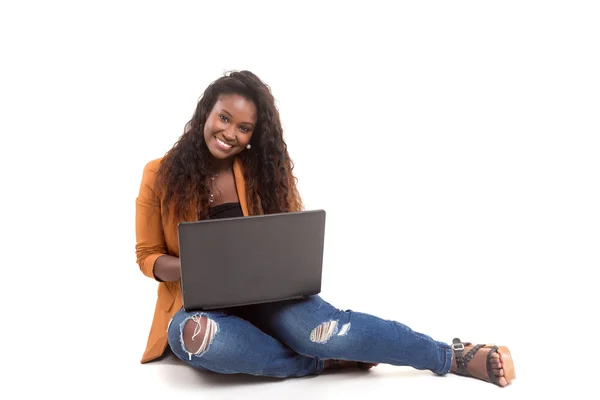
(462,361)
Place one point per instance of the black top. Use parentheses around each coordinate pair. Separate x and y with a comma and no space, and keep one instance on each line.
(226,210)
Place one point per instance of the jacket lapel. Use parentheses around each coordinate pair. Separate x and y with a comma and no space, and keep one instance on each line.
(240,185)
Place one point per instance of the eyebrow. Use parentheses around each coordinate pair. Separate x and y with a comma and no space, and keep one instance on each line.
(228,113)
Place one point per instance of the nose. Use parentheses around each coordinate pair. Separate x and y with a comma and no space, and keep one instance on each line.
(229,134)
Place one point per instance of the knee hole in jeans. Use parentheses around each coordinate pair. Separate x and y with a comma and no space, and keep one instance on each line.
(198,333)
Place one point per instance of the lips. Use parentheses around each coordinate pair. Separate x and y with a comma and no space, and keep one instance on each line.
(222,145)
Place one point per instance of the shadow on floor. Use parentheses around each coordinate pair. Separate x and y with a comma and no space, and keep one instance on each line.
(181,375)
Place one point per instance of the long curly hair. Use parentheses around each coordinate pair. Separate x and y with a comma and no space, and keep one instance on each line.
(183,176)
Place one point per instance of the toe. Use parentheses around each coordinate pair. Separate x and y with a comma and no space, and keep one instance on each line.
(502,381)
(499,372)
(496,361)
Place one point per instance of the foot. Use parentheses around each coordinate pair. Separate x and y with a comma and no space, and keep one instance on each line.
(477,367)
(343,364)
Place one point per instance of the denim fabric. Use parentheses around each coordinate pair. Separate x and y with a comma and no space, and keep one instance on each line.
(292,338)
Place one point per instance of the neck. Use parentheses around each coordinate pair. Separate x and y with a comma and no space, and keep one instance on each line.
(220,166)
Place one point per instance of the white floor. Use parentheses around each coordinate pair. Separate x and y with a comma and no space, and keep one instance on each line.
(171,377)
(101,357)
(109,371)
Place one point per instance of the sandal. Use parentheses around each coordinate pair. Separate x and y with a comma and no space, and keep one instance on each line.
(462,361)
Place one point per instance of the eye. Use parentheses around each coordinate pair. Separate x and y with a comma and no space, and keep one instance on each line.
(245,129)
(223,118)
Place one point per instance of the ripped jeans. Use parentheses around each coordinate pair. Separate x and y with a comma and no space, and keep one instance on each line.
(293,338)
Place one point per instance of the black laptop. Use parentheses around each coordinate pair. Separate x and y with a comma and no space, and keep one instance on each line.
(250,260)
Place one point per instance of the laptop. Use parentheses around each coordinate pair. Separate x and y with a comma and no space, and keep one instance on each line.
(251,260)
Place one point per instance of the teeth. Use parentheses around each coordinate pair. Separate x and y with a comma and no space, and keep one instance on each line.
(223,144)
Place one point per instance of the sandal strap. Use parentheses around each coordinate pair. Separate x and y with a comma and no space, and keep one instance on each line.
(462,360)
(461,364)
(469,356)
(493,378)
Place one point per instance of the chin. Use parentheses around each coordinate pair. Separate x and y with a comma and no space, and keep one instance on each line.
(220,154)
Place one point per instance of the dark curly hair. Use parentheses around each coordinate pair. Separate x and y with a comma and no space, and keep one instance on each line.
(183,176)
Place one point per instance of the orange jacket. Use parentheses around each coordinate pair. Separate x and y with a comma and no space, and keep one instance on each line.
(155,236)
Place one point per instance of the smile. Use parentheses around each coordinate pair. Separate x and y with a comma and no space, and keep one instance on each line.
(222,144)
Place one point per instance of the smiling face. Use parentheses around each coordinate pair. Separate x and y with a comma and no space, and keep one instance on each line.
(229,126)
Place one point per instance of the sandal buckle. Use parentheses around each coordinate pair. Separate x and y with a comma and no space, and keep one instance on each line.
(457,345)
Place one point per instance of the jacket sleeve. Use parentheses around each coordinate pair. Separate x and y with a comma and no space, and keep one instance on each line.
(150,239)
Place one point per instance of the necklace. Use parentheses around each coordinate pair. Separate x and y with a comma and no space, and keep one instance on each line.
(211,197)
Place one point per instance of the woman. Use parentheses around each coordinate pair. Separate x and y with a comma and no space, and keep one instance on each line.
(232,161)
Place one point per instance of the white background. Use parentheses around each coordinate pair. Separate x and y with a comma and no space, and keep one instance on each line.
(454,146)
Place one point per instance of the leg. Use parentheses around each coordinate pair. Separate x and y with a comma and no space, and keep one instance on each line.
(316,329)
(227,344)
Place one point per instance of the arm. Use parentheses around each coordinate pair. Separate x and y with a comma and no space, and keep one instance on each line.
(151,249)
(167,268)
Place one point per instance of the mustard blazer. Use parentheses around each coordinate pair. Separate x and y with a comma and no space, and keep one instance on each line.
(155,236)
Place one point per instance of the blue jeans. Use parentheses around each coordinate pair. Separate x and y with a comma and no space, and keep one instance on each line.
(292,338)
